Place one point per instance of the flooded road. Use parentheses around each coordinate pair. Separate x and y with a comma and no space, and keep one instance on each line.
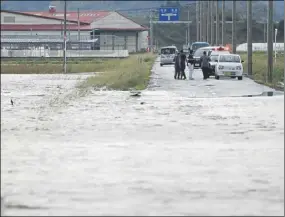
(176,150)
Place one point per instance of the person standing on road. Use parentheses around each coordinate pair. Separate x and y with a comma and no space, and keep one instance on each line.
(182,64)
(205,65)
(190,64)
(177,66)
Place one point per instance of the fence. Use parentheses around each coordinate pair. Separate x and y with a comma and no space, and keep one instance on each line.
(86,42)
(69,53)
(52,46)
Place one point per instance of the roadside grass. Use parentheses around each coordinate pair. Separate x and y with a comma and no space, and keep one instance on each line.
(118,74)
(259,68)
(54,66)
(131,73)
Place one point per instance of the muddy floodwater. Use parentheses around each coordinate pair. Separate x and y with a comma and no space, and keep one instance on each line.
(64,152)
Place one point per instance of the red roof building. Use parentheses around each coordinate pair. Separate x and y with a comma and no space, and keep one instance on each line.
(111,26)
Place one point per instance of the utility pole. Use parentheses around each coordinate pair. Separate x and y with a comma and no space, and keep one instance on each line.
(265,26)
(204,21)
(270,41)
(208,22)
(151,31)
(64,39)
(284,43)
(188,29)
(197,21)
(201,19)
(217,23)
(234,27)
(212,21)
(78,24)
(249,38)
(223,21)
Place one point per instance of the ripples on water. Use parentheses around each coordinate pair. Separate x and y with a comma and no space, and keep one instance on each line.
(106,153)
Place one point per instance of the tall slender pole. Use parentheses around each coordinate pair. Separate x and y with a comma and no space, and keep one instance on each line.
(208,22)
(249,38)
(204,21)
(188,26)
(186,36)
(284,42)
(264,31)
(270,40)
(275,44)
(78,23)
(234,45)
(265,26)
(201,20)
(223,21)
(64,51)
(197,21)
(212,21)
(217,23)
(151,31)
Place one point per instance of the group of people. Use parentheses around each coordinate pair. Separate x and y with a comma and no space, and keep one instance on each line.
(180,62)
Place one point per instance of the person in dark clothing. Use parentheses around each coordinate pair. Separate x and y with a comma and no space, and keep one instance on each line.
(177,66)
(205,65)
(182,64)
(190,64)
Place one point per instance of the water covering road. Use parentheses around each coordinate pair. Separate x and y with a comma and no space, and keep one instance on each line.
(188,149)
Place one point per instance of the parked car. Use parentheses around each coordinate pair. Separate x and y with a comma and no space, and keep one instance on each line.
(214,56)
(196,45)
(216,49)
(229,65)
(167,55)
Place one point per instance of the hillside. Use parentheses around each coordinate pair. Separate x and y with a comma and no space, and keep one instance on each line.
(258,6)
(165,34)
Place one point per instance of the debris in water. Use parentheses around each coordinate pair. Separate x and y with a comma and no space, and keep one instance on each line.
(142,103)
(135,93)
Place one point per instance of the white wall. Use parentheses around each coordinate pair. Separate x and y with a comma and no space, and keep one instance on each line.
(119,39)
(106,41)
(130,40)
(143,41)
(114,20)
(24,19)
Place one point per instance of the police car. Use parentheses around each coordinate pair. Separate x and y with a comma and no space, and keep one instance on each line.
(229,65)
(198,53)
(214,53)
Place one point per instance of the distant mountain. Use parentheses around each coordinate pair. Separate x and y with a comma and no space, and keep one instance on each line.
(259,7)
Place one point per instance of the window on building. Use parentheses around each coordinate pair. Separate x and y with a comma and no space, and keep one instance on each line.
(9,19)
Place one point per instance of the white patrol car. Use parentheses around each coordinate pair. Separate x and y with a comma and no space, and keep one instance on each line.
(214,56)
(167,55)
(229,65)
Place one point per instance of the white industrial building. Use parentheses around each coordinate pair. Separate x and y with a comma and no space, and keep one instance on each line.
(112,29)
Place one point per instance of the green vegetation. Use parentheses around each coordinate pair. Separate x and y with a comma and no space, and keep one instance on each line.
(133,72)
(118,74)
(259,68)
(54,66)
